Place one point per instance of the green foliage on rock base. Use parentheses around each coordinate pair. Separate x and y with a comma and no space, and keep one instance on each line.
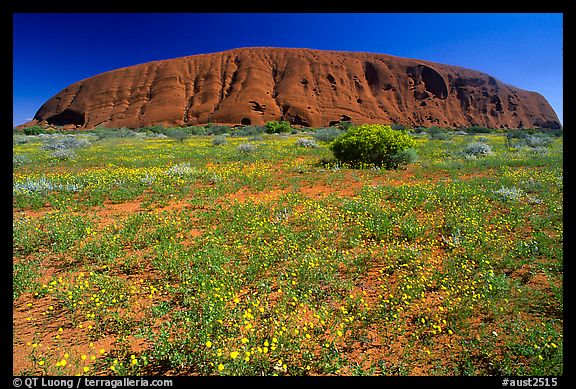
(275,127)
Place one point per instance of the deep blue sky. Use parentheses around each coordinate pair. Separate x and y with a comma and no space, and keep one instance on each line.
(52,51)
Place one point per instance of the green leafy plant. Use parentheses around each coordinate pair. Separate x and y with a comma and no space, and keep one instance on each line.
(375,144)
(275,127)
(177,134)
(34,130)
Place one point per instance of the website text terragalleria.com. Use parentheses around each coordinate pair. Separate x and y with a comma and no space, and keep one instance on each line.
(85,382)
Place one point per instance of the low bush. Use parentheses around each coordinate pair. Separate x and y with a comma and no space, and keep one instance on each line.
(20,139)
(440,136)
(63,154)
(34,130)
(400,127)
(19,160)
(246,148)
(404,157)
(512,193)
(180,170)
(195,130)
(538,140)
(328,134)
(67,142)
(375,144)
(219,140)
(478,130)
(307,143)
(217,129)
(105,133)
(345,125)
(178,134)
(528,138)
(248,131)
(155,129)
(275,127)
(477,149)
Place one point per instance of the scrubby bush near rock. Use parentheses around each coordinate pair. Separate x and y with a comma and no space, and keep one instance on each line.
(178,134)
(218,140)
(248,131)
(477,149)
(246,148)
(123,132)
(62,143)
(33,130)
(328,134)
(275,127)
(63,154)
(307,143)
(375,144)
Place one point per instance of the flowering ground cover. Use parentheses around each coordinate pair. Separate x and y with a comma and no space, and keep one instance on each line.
(146,255)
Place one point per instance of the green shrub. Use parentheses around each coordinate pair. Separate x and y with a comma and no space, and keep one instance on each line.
(34,130)
(246,148)
(328,134)
(63,143)
(275,127)
(477,149)
(63,154)
(440,136)
(217,129)
(248,131)
(218,140)
(19,160)
(375,144)
(178,134)
(154,129)
(558,132)
(478,130)
(195,130)
(37,130)
(105,133)
(306,143)
(404,157)
(345,125)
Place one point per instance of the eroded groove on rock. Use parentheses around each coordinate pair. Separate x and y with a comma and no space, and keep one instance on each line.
(306,87)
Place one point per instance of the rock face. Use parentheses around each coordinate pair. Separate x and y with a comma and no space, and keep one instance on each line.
(306,87)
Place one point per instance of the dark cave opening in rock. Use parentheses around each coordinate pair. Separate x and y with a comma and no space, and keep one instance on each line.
(371,74)
(434,82)
(245,121)
(68,116)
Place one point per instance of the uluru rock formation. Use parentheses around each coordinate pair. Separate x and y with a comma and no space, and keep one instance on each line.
(306,87)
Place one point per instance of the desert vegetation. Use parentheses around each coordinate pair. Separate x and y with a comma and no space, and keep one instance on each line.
(257,250)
